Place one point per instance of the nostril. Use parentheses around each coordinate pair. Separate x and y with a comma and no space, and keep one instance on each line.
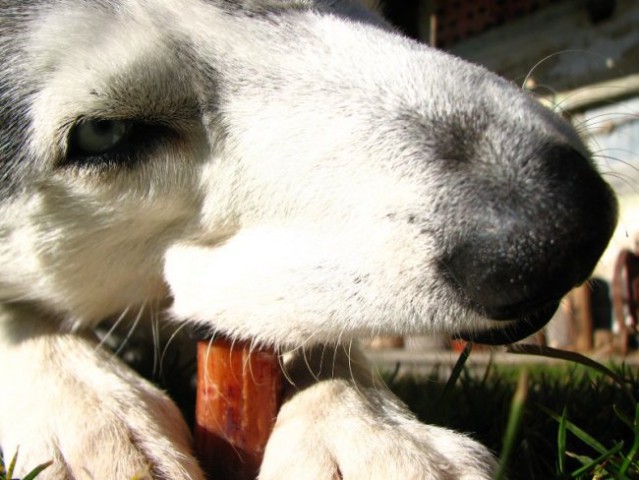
(525,238)
(503,281)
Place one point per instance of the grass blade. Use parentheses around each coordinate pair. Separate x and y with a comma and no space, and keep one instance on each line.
(623,417)
(549,352)
(456,372)
(561,442)
(514,420)
(635,446)
(12,464)
(589,464)
(37,470)
(578,432)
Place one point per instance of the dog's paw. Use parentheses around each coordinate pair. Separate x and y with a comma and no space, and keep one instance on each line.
(337,430)
(104,440)
(90,415)
(100,449)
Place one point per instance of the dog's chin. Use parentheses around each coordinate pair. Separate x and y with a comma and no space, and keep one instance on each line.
(511,331)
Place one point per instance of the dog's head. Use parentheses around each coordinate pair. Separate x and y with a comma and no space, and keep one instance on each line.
(287,171)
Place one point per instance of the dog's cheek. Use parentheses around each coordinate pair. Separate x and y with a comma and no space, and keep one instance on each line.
(83,256)
(251,287)
(291,287)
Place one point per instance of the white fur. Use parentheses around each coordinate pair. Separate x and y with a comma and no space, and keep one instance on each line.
(299,201)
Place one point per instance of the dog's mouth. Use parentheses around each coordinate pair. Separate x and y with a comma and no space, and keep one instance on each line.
(511,331)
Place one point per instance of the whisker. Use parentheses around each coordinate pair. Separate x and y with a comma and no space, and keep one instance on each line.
(253,345)
(555,54)
(209,346)
(234,342)
(283,369)
(339,342)
(334,363)
(350,361)
(113,328)
(303,344)
(155,335)
(601,152)
(308,365)
(297,350)
(349,358)
(166,346)
(131,330)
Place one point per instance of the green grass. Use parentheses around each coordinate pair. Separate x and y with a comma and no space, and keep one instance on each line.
(558,421)
(6,471)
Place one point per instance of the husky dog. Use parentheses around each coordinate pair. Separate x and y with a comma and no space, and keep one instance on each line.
(290,172)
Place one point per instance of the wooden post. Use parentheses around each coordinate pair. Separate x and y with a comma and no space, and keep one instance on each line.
(625,297)
(238,397)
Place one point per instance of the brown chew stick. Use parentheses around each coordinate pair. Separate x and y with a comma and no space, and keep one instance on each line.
(238,397)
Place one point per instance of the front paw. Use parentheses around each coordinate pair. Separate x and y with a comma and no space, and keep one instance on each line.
(103,440)
(337,430)
(89,414)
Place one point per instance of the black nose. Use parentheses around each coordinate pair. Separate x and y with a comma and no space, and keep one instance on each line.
(527,239)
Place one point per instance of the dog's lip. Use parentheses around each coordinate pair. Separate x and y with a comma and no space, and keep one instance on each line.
(505,332)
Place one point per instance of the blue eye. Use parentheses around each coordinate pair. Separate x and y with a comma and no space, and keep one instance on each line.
(96,137)
(107,142)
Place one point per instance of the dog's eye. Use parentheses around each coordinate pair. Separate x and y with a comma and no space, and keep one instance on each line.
(95,137)
(104,142)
